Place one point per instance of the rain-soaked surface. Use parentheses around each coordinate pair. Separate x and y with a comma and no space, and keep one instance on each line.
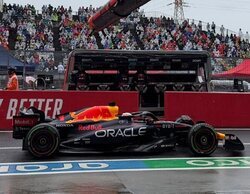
(233,179)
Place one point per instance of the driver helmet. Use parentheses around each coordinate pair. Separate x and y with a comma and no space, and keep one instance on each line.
(127,114)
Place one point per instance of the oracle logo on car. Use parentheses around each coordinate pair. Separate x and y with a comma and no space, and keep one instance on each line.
(127,132)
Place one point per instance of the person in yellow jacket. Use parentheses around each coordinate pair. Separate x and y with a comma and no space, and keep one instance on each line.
(13,80)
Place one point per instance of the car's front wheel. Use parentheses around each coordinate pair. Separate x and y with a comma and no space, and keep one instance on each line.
(43,140)
(202,139)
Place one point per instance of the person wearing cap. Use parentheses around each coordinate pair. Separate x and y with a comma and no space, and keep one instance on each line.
(13,80)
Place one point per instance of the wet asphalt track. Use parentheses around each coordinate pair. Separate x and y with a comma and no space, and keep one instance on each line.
(136,182)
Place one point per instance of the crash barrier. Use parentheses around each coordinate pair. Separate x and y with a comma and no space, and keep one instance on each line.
(216,108)
(57,102)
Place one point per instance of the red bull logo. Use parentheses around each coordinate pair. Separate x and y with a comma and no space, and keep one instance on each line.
(89,127)
(96,113)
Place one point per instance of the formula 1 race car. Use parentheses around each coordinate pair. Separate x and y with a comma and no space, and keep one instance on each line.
(101,129)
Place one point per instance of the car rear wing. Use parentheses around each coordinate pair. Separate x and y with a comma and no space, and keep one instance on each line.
(23,123)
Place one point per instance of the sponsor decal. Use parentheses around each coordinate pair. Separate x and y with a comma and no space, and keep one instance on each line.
(61,117)
(21,122)
(64,125)
(167,125)
(230,137)
(50,106)
(215,163)
(22,128)
(33,168)
(96,113)
(127,132)
(202,163)
(89,127)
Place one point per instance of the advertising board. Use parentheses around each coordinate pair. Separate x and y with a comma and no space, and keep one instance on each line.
(58,102)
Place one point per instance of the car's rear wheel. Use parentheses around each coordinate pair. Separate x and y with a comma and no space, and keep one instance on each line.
(43,140)
(202,139)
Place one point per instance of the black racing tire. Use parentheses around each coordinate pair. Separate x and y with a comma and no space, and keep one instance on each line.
(43,140)
(202,139)
(185,119)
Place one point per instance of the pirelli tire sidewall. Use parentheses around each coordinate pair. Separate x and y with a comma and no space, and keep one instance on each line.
(202,139)
(43,140)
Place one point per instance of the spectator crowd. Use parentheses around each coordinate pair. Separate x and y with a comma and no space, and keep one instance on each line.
(60,29)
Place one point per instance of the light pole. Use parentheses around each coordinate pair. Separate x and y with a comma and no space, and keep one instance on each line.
(1,5)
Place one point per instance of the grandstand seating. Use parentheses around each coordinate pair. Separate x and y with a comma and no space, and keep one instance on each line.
(61,29)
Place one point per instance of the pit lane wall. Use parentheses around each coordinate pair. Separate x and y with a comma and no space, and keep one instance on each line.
(218,109)
(57,102)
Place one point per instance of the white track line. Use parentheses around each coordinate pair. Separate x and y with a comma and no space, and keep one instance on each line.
(5,131)
(10,148)
(246,144)
(232,129)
